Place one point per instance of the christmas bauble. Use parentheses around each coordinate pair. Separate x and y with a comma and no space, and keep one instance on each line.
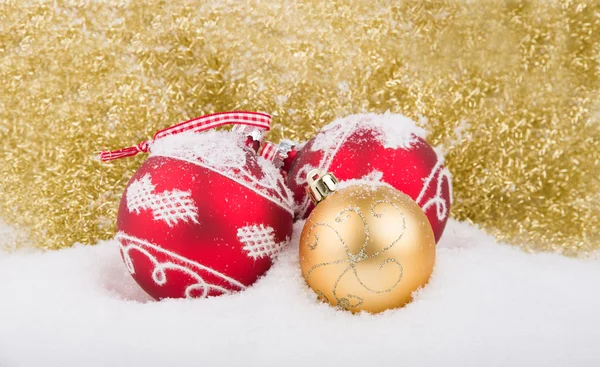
(366,248)
(203,216)
(389,148)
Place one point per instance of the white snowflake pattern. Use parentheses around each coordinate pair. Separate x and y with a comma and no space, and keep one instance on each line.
(169,206)
(259,241)
(437,177)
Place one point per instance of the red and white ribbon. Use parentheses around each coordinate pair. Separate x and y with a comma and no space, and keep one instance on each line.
(250,119)
(268,151)
(276,153)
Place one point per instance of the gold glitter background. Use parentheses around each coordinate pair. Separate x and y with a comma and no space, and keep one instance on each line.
(509,89)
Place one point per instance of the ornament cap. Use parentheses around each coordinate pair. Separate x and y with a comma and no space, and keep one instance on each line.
(320,185)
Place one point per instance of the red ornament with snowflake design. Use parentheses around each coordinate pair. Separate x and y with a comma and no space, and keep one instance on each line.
(203,216)
(389,148)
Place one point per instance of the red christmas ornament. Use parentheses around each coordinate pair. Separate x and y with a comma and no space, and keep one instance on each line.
(387,147)
(203,216)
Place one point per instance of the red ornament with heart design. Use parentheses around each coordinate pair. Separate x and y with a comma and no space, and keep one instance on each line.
(203,216)
(389,148)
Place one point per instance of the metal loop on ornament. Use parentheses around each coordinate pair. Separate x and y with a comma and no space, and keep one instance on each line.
(320,185)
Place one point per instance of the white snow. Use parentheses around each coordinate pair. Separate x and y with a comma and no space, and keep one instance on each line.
(487,304)
(224,152)
(374,178)
(222,148)
(397,131)
(11,239)
(393,130)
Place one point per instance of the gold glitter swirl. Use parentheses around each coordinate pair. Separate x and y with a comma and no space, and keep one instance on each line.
(367,248)
(510,90)
(353,259)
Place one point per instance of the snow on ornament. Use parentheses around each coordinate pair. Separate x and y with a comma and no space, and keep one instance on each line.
(204,215)
(390,145)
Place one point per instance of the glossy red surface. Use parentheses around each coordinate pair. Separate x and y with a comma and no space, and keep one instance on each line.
(223,206)
(406,169)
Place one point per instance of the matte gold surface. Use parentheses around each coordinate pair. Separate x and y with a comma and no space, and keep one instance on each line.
(509,89)
(367,248)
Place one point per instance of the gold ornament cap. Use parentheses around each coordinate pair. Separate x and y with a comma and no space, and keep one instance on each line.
(320,185)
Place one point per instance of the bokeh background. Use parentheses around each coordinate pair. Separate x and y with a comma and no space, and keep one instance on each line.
(509,90)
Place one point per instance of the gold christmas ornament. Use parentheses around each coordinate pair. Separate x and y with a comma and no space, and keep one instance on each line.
(365,247)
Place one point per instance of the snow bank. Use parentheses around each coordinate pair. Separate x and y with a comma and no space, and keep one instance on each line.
(486,305)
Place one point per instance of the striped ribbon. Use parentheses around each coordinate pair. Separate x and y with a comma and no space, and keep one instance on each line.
(268,151)
(276,153)
(253,120)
